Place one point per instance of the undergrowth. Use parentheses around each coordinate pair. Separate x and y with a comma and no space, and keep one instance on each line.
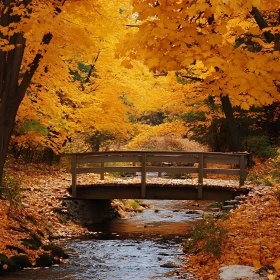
(266,173)
(206,236)
(11,191)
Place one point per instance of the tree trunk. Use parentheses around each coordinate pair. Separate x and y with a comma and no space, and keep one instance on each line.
(262,24)
(11,92)
(234,143)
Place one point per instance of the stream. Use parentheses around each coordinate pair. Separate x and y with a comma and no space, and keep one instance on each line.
(138,247)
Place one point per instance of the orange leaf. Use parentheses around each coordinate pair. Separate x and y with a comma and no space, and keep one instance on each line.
(276,265)
(256,264)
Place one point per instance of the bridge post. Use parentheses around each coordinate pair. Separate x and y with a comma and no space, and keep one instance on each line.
(143,175)
(200,176)
(200,169)
(242,173)
(102,173)
(134,173)
(74,176)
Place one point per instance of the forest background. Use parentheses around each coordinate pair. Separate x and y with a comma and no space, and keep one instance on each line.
(81,68)
(78,76)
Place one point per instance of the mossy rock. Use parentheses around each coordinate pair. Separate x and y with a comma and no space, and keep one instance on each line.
(30,243)
(21,261)
(41,233)
(14,263)
(33,243)
(3,259)
(12,267)
(36,238)
(44,260)
(56,251)
(15,248)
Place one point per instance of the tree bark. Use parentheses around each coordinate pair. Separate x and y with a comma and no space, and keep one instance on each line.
(11,92)
(262,24)
(234,141)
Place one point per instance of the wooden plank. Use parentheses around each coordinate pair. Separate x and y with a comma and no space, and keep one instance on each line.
(102,164)
(204,166)
(167,153)
(74,175)
(128,156)
(226,159)
(156,192)
(242,171)
(200,192)
(143,176)
(172,169)
(172,158)
(222,171)
(141,152)
(134,173)
(200,169)
(113,158)
(128,169)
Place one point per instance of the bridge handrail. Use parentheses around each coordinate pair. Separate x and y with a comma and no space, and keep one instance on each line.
(144,157)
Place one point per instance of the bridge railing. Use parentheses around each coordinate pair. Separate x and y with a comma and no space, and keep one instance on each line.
(147,161)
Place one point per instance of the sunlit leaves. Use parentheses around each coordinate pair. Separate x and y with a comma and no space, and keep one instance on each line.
(56,100)
(174,34)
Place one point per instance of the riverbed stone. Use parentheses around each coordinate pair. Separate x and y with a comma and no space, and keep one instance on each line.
(3,260)
(44,260)
(56,251)
(11,266)
(170,265)
(231,202)
(21,261)
(240,198)
(228,207)
(235,272)
(195,212)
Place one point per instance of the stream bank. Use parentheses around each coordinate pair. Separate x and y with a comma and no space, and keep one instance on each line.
(145,245)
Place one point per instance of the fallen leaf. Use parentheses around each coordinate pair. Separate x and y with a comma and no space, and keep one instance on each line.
(257,264)
(276,265)
(271,276)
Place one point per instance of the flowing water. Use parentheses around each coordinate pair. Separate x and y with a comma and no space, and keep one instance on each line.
(141,247)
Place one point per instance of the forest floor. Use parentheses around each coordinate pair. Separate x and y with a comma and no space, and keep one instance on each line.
(34,207)
(253,231)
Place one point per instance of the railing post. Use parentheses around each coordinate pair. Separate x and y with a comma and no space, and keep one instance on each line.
(200,176)
(134,173)
(74,176)
(102,173)
(200,169)
(204,166)
(143,175)
(242,171)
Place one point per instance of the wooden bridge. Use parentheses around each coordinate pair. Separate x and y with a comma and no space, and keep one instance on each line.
(145,162)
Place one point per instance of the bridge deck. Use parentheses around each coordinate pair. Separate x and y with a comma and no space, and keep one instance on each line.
(163,189)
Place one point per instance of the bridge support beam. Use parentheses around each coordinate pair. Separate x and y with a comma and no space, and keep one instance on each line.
(143,176)
(74,175)
(156,192)
(200,192)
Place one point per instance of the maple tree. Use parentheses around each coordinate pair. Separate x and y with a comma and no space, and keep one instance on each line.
(14,79)
(42,43)
(238,41)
